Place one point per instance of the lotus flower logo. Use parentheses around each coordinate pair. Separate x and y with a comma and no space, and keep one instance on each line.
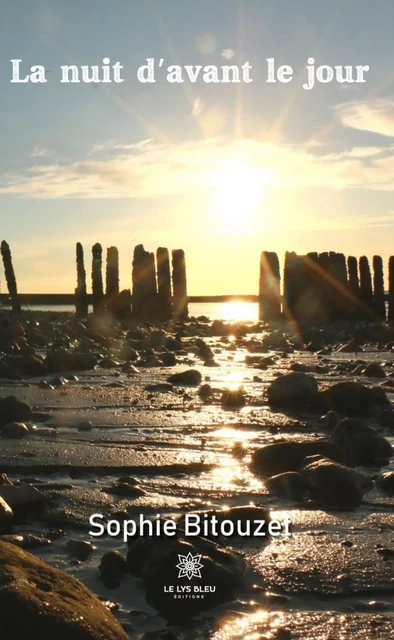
(189,566)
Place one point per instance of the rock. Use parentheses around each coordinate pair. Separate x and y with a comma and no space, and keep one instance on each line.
(280,457)
(13,410)
(14,430)
(386,482)
(233,399)
(168,359)
(172,344)
(84,425)
(156,561)
(349,398)
(30,365)
(211,363)
(61,360)
(289,485)
(58,360)
(188,378)
(80,549)
(334,484)
(112,568)
(23,499)
(26,540)
(82,361)
(6,516)
(360,443)
(205,391)
(374,370)
(292,389)
(38,601)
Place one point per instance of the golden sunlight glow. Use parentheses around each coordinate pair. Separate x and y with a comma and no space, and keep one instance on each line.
(239,312)
(239,189)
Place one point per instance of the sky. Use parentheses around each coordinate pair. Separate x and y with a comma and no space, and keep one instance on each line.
(221,170)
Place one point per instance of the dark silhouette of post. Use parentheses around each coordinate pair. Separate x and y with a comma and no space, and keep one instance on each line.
(269,286)
(355,311)
(339,300)
(164,283)
(391,289)
(10,277)
(352,267)
(144,304)
(179,285)
(112,273)
(378,287)
(366,286)
(81,301)
(97,277)
(289,292)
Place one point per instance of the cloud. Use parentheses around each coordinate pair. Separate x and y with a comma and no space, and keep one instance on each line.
(376,116)
(149,169)
(39,152)
(228,54)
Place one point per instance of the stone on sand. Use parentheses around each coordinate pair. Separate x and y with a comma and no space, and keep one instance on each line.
(360,443)
(38,601)
(280,457)
(292,389)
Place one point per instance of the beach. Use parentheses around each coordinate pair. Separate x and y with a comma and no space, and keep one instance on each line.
(118,436)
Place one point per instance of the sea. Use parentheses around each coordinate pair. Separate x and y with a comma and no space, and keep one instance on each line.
(228,311)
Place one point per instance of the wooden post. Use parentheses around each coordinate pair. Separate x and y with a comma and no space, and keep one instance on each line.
(164,283)
(352,267)
(144,305)
(112,273)
(338,273)
(355,311)
(269,286)
(391,289)
(366,286)
(10,277)
(378,287)
(97,277)
(179,285)
(81,302)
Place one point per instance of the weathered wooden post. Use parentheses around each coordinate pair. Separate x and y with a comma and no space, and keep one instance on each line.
(144,305)
(338,272)
(179,285)
(112,273)
(269,286)
(164,283)
(391,289)
(10,277)
(378,287)
(366,286)
(81,300)
(352,267)
(355,310)
(97,277)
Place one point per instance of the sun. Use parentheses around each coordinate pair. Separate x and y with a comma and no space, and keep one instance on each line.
(238,191)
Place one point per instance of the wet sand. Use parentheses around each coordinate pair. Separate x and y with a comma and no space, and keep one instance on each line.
(328,579)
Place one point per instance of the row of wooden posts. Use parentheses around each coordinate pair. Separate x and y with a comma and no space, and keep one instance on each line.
(325,287)
(158,292)
(318,287)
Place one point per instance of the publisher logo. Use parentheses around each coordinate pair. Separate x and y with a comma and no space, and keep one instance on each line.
(189,566)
